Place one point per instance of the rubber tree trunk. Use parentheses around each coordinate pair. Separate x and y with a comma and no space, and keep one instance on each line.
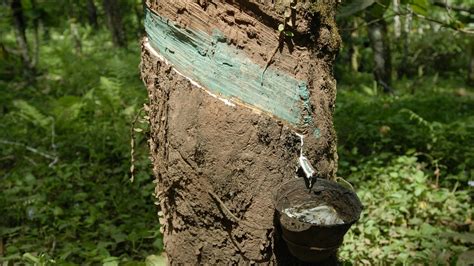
(225,122)
(377,31)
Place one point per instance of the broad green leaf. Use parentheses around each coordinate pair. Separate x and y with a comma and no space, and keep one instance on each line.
(110,261)
(30,258)
(420,7)
(288,33)
(154,260)
(377,10)
(353,7)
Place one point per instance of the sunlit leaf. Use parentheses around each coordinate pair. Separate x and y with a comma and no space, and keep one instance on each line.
(154,260)
(420,6)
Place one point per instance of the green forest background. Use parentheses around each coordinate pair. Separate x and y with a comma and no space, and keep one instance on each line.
(70,89)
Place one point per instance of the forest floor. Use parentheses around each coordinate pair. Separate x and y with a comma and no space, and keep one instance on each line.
(64,163)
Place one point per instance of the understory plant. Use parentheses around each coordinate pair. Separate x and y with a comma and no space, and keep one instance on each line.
(407,219)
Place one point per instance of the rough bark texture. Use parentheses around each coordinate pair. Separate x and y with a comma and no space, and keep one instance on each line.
(216,165)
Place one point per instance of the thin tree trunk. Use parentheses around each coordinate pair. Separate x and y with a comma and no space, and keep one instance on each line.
(377,31)
(114,21)
(397,25)
(36,23)
(73,21)
(226,112)
(92,14)
(470,75)
(21,40)
(139,18)
(75,36)
(405,38)
(354,50)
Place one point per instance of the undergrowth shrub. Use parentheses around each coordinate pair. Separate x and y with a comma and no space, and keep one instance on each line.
(437,127)
(406,218)
(410,158)
(64,159)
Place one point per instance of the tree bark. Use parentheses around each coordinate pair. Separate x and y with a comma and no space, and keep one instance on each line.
(225,113)
(21,40)
(114,21)
(139,17)
(354,50)
(397,25)
(92,14)
(377,30)
(470,72)
(75,36)
(405,38)
(36,24)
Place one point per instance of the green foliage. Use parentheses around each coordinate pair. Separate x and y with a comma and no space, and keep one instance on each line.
(64,159)
(428,38)
(406,217)
(434,51)
(410,158)
(436,124)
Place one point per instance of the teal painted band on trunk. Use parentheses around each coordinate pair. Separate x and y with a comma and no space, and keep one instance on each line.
(224,70)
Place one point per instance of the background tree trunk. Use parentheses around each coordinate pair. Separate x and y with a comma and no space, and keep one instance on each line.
(397,25)
(114,21)
(75,36)
(21,40)
(405,38)
(222,138)
(36,26)
(92,14)
(377,31)
(139,17)
(354,50)
(470,72)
